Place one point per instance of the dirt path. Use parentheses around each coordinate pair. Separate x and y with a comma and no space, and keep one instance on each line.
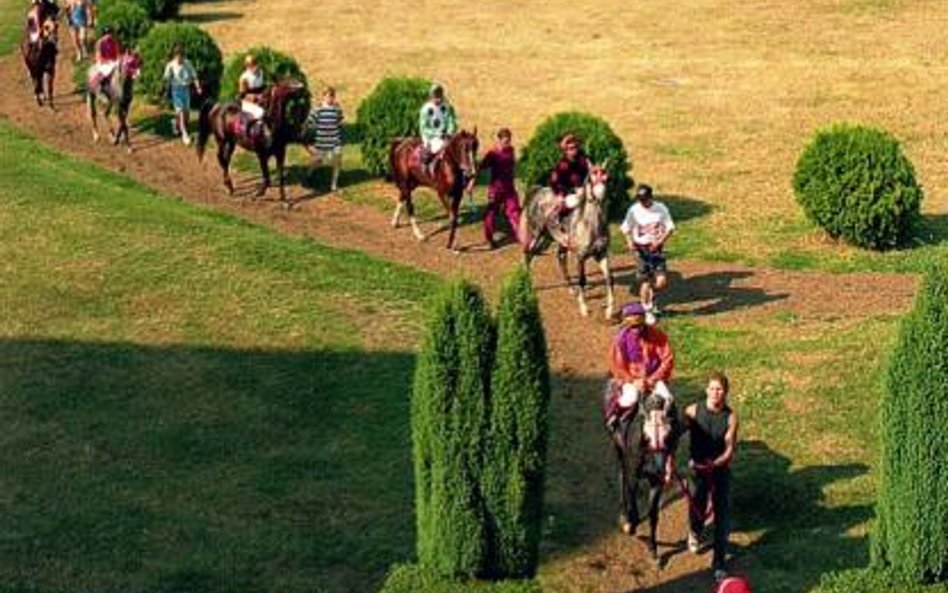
(720,293)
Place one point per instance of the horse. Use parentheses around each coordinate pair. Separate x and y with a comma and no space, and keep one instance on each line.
(644,444)
(585,233)
(116,90)
(280,126)
(450,173)
(39,49)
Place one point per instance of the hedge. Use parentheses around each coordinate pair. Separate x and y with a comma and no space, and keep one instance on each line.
(414,579)
(276,67)
(128,20)
(911,534)
(871,581)
(449,416)
(855,183)
(515,467)
(156,49)
(542,152)
(389,111)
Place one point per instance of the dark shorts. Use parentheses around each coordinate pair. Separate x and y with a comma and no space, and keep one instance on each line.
(650,263)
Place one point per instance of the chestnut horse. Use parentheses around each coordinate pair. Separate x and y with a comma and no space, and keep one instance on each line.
(267,138)
(452,169)
(39,49)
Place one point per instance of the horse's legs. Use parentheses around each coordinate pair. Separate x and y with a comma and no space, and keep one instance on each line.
(654,505)
(581,282)
(397,215)
(610,288)
(453,220)
(225,150)
(264,160)
(93,116)
(410,208)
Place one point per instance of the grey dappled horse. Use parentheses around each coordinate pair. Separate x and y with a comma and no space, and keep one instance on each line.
(115,91)
(584,232)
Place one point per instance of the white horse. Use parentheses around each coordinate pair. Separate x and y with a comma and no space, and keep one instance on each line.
(584,232)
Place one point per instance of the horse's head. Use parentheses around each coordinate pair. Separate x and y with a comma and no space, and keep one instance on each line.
(463,151)
(596,182)
(130,64)
(283,106)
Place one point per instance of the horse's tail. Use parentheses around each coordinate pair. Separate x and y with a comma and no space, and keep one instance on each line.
(204,128)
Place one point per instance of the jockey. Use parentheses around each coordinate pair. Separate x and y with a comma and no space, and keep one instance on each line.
(107,52)
(436,123)
(568,176)
(252,86)
(641,360)
(40,13)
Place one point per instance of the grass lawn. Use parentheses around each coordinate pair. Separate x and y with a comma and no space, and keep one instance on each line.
(193,403)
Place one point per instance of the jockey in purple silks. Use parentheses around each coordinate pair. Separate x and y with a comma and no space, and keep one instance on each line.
(501,193)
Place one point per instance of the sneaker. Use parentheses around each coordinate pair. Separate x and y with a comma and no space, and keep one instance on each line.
(186,139)
(719,575)
(693,544)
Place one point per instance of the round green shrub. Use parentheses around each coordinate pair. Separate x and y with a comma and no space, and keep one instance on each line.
(276,67)
(542,152)
(160,9)
(855,183)
(129,21)
(389,111)
(156,48)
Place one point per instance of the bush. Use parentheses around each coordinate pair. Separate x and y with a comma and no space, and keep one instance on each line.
(856,184)
(542,152)
(199,47)
(516,461)
(160,9)
(449,415)
(391,110)
(414,579)
(911,535)
(276,67)
(128,20)
(870,581)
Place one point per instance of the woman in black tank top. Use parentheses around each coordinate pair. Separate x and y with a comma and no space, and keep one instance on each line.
(712,426)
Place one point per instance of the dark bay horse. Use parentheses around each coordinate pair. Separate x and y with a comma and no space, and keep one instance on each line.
(449,175)
(584,233)
(644,444)
(280,126)
(39,49)
(116,91)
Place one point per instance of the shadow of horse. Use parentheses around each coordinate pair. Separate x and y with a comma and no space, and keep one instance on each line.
(713,293)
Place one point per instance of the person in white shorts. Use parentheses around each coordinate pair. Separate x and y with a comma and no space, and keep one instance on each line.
(647,226)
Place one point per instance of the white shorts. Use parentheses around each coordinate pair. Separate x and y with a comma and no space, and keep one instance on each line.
(252,109)
(630,394)
(330,155)
(435,144)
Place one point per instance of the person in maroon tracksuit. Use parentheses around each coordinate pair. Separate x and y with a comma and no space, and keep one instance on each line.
(501,193)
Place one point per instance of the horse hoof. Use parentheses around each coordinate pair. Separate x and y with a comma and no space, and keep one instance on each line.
(95,137)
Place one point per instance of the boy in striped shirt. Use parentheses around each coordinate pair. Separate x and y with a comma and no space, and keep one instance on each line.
(325,123)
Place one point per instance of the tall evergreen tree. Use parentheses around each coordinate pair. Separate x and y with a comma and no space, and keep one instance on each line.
(911,535)
(449,423)
(516,461)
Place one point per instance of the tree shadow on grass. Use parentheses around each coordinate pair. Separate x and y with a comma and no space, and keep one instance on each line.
(204,18)
(801,537)
(931,230)
(136,468)
(684,208)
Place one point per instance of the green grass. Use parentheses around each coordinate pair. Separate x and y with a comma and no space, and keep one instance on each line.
(191,402)
(12,16)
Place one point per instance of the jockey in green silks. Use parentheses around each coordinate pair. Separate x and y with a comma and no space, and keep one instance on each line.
(436,123)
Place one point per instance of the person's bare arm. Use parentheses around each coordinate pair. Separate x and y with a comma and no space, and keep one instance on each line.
(730,443)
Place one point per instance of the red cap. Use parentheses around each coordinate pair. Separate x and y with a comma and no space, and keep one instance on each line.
(734,585)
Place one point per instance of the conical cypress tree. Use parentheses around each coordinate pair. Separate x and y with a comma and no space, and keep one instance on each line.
(911,535)
(516,461)
(449,420)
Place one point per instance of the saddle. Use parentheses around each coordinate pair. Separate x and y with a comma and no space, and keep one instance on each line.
(248,126)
